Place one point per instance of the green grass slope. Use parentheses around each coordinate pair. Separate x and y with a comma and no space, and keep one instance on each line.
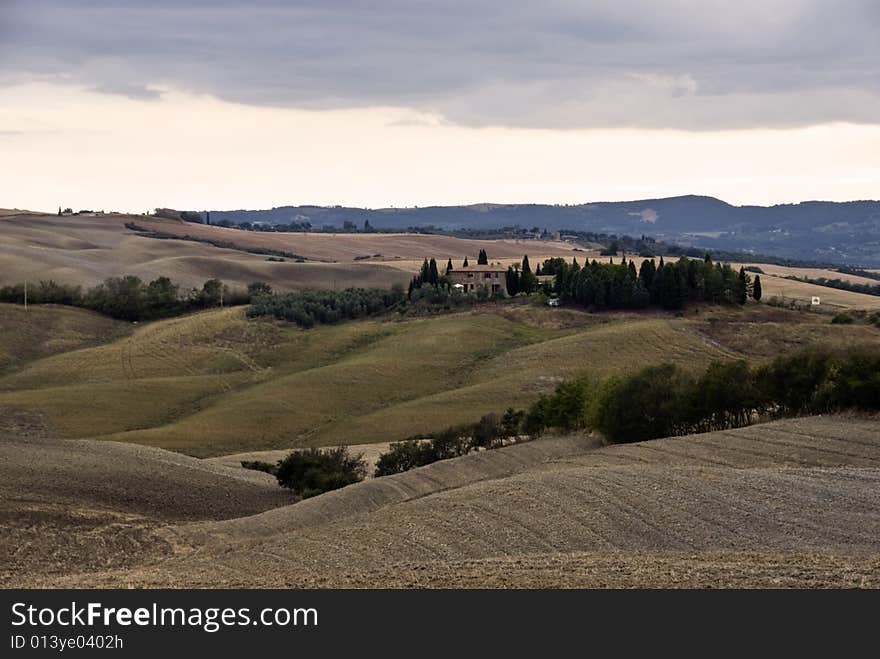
(216,382)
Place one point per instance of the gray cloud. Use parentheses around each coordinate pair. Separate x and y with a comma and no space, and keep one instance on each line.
(557,63)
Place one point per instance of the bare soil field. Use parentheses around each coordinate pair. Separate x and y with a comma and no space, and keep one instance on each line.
(80,505)
(789,503)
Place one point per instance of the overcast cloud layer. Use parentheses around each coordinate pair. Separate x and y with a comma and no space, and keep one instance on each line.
(697,65)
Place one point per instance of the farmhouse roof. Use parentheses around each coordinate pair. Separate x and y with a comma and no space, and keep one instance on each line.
(492,267)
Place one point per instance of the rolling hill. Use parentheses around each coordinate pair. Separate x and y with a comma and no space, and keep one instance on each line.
(790,503)
(86,249)
(214,382)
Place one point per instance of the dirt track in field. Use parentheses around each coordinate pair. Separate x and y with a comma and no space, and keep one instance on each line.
(791,503)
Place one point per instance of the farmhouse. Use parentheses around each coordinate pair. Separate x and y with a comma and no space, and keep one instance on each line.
(491,276)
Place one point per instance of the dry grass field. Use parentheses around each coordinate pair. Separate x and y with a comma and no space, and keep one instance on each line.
(344,247)
(85,250)
(90,495)
(216,383)
(42,331)
(791,503)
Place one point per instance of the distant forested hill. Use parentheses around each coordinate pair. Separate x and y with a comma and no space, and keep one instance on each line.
(846,232)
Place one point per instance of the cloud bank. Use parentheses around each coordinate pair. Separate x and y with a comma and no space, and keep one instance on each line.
(685,64)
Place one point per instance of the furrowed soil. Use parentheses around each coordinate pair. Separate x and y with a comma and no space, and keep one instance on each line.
(792,503)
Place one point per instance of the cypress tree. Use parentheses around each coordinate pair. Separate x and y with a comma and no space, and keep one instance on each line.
(756,289)
(465,263)
(742,287)
(512,281)
(646,273)
(658,285)
(673,293)
(449,266)
(527,281)
(482,258)
(425,273)
(434,273)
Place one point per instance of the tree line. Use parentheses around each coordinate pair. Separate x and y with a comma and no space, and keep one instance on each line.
(313,471)
(840,284)
(130,298)
(274,254)
(670,285)
(489,432)
(665,401)
(308,308)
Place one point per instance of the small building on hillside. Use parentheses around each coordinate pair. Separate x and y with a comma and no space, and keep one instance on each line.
(491,276)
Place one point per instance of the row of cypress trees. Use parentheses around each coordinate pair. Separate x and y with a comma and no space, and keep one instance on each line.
(667,285)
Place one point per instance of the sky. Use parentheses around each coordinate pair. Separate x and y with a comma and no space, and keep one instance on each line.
(214,104)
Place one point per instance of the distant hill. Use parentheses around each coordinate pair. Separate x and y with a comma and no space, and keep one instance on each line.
(847,232)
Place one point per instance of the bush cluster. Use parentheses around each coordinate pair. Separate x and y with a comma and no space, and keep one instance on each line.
(314,471)
(664,401)
(312,307)
(487,433)
(661,401)
(130,298)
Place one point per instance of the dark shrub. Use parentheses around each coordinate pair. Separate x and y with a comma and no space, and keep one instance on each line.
(487,432)
(310,307)
(403,456)
(791,383)
(853,381)
(258,465)
(313,471)
(645,405)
